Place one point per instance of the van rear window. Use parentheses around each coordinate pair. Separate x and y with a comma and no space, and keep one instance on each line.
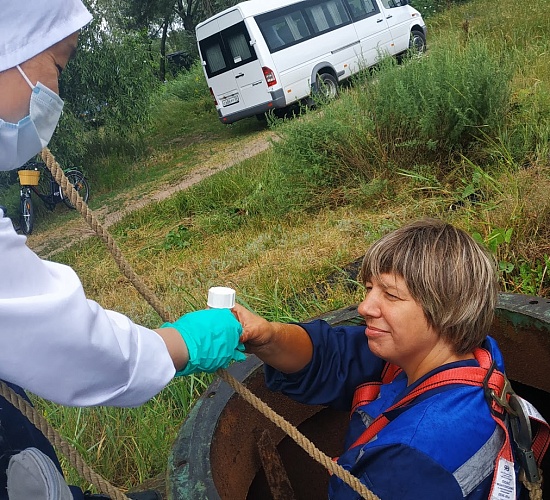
(215,61)
(227,50)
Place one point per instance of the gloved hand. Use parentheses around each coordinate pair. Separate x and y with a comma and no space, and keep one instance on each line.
(212,338)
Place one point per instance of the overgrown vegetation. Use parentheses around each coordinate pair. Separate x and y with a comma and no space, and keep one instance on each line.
(462,134)
(428,110)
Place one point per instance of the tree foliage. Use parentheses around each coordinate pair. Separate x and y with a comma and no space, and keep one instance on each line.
(187,14)
(120,61)
(108,84)
(170,20)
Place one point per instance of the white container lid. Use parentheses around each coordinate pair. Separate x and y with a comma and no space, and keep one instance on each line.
(221,297)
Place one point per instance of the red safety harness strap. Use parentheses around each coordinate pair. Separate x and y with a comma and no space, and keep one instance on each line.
(497,391)
(366,393)
(541,440)
(467,375)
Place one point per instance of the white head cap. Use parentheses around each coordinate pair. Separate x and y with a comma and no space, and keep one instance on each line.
(29,27)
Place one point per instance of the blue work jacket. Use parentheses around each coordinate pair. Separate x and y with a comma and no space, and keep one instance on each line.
(443,445)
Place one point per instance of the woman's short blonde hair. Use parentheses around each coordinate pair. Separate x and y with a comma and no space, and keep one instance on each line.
(446,271)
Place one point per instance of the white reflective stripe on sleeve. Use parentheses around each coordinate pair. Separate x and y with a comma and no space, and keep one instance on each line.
(481,465)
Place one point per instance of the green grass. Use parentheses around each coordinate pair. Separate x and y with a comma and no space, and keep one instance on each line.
(139,433)
(281,227)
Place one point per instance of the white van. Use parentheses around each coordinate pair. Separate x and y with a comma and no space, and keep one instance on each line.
(267,54)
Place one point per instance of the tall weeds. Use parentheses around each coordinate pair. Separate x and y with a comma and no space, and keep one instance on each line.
(422,111)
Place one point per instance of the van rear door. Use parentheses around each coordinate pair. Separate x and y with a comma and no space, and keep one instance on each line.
(233,70)
(247,69)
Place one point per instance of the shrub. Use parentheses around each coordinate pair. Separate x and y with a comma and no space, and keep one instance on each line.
(308,160)
(431,7)
(443,102)
(189,86)
(398,115)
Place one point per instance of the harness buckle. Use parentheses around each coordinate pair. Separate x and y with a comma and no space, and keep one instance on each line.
(502,399)
(520,424)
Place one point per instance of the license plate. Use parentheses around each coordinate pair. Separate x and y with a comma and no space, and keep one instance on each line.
(230,99)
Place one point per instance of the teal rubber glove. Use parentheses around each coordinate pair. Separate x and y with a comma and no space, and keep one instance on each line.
(212,339)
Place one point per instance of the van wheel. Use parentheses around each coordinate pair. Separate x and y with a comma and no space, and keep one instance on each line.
(327,86)
(417,43)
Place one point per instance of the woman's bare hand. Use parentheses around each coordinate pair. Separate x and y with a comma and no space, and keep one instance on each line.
(257,331)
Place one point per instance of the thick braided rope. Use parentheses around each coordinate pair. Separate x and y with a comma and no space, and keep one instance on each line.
(92,221)
(534,489)
(126,269)
(298,437)
(61,444)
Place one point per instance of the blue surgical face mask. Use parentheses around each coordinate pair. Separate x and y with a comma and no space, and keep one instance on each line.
(19,142)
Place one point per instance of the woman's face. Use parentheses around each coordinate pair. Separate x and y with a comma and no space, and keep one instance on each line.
(397,329)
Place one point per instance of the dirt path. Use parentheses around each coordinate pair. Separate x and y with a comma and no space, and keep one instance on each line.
(48,243)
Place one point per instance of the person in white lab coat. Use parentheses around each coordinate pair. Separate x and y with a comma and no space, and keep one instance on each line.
(55,342)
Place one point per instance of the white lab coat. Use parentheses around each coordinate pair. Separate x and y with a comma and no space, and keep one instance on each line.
(63,347)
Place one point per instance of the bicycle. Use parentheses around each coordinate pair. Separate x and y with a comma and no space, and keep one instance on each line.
(49,191)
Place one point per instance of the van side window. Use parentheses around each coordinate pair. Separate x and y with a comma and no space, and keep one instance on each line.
(360,9)
(284,30)
(371,7)
(289,25)
(390,4)
(227,50)
(327,15)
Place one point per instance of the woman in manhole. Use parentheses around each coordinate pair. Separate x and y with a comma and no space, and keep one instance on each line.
(423,381)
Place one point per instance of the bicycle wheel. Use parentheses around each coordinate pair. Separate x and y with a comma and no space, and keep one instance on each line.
(79,182)
(26,214)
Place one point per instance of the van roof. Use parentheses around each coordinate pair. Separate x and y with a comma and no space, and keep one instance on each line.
(251,8)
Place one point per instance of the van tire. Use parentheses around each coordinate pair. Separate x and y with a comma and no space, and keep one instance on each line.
(417,43)
(326,86)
